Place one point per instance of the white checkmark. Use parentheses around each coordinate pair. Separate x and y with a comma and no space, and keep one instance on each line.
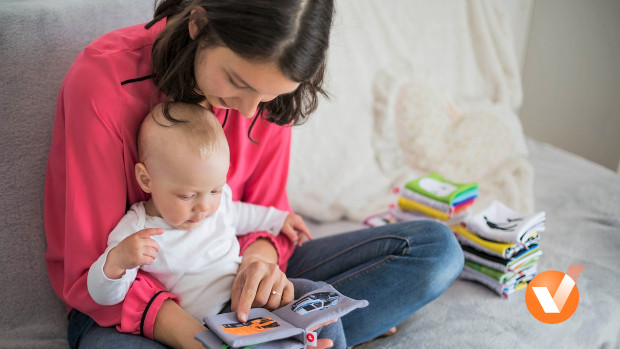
(555,304)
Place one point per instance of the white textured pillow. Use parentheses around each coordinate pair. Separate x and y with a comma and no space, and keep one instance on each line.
(418,128)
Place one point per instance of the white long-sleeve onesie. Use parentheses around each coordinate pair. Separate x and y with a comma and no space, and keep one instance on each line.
(198,265)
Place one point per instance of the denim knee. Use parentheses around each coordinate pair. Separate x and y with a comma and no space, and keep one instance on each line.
(450,259)
(436,243)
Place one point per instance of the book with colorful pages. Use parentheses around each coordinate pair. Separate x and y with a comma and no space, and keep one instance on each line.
(438,188)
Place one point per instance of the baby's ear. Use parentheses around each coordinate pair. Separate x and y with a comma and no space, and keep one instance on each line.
(143,177)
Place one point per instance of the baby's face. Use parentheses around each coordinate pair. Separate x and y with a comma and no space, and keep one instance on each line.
(189,189)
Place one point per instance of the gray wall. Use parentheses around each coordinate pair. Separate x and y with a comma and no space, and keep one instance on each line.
(571,78)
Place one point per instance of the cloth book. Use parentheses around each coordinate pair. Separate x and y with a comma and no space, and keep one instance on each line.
(532,253)
(438,188)
(396,214)
(500,249)
(286,327)
(434,204)
(502,277)
(410,205)
(501,289)
(499,223)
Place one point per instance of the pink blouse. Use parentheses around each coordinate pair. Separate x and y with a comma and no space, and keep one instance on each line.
(90,172)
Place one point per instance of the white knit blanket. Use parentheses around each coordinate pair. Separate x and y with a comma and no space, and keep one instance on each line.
(415,87)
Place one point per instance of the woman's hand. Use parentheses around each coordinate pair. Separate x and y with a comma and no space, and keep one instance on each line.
(259,284)
(257,277)
(324,343)
(253,288)
(259,281)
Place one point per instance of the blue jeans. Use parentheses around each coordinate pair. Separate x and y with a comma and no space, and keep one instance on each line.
(398,268)
(83,332)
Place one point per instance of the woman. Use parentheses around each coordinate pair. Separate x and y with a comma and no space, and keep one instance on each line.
(258,65)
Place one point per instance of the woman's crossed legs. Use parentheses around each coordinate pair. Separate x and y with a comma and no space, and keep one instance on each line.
(398,268)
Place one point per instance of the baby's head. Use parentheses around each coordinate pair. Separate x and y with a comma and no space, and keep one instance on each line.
(183,165)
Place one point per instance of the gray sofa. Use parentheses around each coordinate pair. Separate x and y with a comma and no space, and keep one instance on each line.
(39,40)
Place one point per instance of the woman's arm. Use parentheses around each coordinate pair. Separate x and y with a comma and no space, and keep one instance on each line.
(175,327)
(261,250)
(86,193)
(260,171)
(258,175)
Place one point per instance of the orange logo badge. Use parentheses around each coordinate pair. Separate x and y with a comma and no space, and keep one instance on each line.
(552,296)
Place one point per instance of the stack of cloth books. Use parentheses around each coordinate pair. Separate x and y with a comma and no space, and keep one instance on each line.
(501,247)
(430,197)
(436,197)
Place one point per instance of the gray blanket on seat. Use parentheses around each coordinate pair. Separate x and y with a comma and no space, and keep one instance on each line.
(38,41)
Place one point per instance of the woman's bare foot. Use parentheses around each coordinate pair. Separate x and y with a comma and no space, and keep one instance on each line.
(389,332)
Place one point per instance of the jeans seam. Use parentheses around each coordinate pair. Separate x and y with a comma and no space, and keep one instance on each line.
(405,250)
(363,271)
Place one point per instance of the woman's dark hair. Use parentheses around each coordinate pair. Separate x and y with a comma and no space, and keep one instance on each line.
(295,34)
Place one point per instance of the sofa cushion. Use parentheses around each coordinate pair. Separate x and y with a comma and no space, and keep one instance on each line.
(39,41)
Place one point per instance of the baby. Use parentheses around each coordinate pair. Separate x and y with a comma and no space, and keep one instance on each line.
(185,234)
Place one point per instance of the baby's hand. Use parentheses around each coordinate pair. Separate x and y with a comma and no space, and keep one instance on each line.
(296,230)
(135,250)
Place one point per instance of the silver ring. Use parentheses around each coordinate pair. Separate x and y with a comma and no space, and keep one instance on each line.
(274,293)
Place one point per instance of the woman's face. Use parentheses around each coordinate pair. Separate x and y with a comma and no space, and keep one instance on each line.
(231,82)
